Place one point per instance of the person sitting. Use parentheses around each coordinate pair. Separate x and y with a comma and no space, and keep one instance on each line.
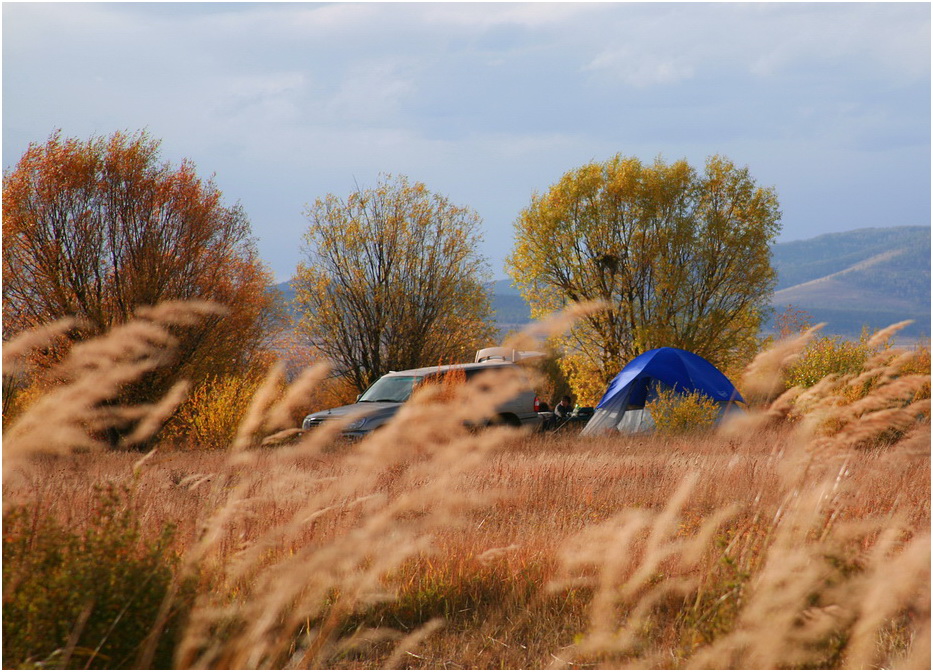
(564,408)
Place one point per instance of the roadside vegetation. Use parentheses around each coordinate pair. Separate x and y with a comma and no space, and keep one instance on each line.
(798,537)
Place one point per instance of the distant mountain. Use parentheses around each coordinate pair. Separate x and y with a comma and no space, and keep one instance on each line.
(863,278)
(509,309)
(286,290)
(801,261)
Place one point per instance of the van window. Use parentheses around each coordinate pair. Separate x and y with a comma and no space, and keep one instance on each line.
(391,388)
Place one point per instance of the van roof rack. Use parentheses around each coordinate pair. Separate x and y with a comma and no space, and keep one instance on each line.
(506,355)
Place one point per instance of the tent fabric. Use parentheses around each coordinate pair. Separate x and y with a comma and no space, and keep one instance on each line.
(622,405)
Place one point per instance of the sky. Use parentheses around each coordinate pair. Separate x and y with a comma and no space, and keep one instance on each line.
(488,103)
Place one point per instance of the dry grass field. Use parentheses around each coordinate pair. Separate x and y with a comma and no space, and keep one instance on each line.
(799,538)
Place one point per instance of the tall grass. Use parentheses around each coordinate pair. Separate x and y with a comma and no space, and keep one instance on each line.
(86,598)
(796,537)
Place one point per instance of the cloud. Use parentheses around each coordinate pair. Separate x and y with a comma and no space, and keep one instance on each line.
(372,91)
(532,15)
(640,70)
(879,40)
(485,102)
(272,97)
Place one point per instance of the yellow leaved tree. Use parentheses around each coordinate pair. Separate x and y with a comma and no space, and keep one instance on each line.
(392,280)
(681,257)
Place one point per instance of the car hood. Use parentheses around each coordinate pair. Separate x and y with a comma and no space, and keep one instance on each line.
(365,409)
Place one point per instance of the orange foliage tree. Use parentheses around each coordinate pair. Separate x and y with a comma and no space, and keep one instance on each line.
(94,229)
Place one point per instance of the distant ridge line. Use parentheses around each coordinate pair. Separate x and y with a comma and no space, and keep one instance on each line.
(860,266)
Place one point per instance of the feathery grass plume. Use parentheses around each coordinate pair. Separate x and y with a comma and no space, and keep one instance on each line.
(394,661)
(17,354)
(556,323)
(916,441)
(398,488)
(738,425)
(248,433)
(897,574)
(152,417)
(296,398)
(806,607)
(865,408)
(763,378)
(77,413)
(138,464)
(181,313)
(17,350)
(135,347)
(885,367)
(896,392)
(634,562)
(872,429)
(70,415)
(882,336)
(534,334)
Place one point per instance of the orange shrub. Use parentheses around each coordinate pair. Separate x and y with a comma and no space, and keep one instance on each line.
(209,418)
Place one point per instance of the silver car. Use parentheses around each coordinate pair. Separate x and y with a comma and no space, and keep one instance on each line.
(376,406)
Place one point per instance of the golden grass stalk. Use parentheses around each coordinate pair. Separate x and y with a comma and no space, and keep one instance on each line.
(556,323)
(411,641)
(153,416)
(296,398)
(79,411)
(882,336)
(17,349)
(763,379)
(250,429)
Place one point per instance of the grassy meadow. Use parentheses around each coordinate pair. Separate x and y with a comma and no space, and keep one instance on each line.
(797,537)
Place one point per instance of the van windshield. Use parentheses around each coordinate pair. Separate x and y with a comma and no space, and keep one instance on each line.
(391,388)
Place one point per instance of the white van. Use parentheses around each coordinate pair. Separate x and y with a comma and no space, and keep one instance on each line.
(376,406)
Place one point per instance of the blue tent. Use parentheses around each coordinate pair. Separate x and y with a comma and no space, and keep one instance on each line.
(623,405)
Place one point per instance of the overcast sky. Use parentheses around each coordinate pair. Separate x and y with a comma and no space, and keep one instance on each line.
(488,102)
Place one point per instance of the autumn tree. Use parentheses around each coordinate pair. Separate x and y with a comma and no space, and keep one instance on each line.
(392,280)
(95,229)
(682,258)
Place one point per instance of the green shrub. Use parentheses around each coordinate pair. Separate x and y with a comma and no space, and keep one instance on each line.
(828,355)
(718,602)
(677,413)
(84,599)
